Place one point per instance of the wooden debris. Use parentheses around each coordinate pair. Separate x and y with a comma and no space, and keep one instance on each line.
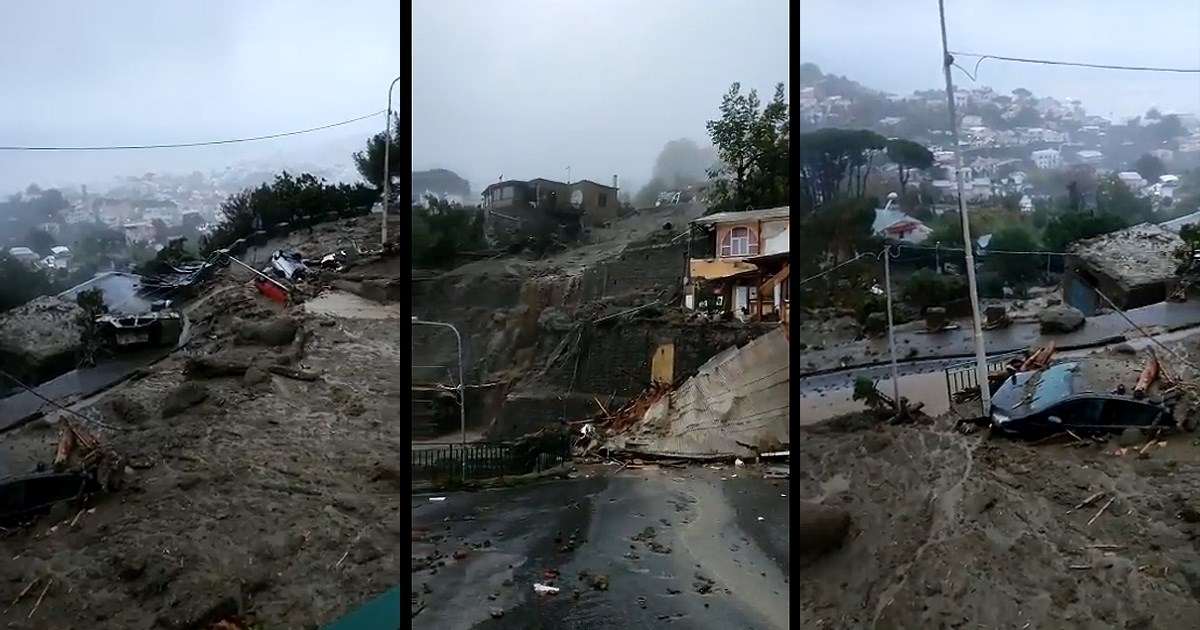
(39,599)
(1146,379)
(1102,509)
(66,444)
(1088,501)
(292,373)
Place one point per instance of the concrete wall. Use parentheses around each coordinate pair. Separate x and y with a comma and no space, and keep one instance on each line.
(616,359)
(639,268)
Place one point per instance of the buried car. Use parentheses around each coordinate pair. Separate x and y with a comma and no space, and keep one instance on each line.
(1059,398)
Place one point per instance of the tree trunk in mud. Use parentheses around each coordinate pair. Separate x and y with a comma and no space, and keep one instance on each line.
(821,529)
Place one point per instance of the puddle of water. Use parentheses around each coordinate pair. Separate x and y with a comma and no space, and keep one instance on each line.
(928,388)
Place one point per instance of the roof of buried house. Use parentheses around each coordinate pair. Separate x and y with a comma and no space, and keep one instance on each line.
(1136,256)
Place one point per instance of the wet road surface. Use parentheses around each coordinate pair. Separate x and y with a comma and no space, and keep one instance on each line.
(645,548)
(1019,336)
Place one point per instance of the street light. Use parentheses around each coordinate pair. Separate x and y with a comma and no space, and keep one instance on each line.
(460,388)
(891,324)
(387,174)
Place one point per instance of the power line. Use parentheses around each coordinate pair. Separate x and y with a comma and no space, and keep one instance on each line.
(33,391)
(206,143)
(1073,64)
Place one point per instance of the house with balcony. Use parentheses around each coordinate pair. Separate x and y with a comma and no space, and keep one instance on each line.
(513,207)
(738,265)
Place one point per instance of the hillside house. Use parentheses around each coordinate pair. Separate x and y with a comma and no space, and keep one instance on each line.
(1134,267)
(516,206)
(738,264)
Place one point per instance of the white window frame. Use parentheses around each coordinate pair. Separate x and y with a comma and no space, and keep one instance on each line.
(740,246)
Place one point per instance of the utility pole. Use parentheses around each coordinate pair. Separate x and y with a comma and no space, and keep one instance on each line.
(387,173)
(985,393)
(887,281)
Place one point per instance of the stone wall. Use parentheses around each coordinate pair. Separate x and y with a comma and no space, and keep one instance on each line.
(644,267)
(616,358)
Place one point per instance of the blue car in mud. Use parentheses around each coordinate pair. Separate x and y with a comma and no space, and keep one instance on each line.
(1059,398)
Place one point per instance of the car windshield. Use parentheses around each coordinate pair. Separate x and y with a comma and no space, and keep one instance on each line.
(1048,386)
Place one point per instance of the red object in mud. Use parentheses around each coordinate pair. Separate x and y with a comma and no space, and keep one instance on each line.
(272,291)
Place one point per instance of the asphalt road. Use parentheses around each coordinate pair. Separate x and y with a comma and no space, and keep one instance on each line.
(644,548)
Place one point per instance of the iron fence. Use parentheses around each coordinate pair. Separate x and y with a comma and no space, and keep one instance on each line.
(963,376)
(454,463)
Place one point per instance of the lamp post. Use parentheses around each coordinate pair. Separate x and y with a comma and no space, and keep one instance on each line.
(387,174)
(887,281)
(460,388)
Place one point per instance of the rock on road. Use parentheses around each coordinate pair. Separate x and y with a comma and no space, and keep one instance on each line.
(694,548)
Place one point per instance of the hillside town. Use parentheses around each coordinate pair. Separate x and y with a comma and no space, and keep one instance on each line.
(1011,142)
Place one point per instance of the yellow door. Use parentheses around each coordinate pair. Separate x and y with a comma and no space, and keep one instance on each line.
(662,366)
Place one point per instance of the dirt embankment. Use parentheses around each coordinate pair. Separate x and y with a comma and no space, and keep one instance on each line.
(950,530)
(261,478)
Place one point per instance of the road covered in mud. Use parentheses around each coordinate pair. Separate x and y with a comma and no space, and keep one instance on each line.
(695,548)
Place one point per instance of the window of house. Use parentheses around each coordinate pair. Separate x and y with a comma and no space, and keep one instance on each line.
(739,242)
(506,192)
(603,203)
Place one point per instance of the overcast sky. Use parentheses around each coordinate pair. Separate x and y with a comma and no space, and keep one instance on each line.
(896,46)
(160,71)
(526,88)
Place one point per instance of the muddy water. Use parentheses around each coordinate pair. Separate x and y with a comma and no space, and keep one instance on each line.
(928,388)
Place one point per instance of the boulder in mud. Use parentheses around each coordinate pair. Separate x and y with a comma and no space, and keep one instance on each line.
(182,398)
(277,331)
(821,529)
(1059,319)
(125,409)
(222,364)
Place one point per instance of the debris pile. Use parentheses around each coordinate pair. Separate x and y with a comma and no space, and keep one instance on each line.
(620,420)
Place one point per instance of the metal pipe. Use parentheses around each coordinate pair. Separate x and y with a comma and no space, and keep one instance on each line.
(387,174)
(461,388)
(985,393)
(260,274)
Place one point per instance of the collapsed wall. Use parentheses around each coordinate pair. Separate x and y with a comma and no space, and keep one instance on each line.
(737,403)
(552,342)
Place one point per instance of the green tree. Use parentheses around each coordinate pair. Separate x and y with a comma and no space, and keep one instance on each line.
(1070,227)
(1114,197)
(1150,167)
(839,228)
(1014,268)
(441,231)
(835,163)
(40,241)
(908,155)
(369,161)
(19,283)
(925,288)
(752,146)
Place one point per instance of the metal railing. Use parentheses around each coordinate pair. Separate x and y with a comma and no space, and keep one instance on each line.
(451,463)
(962,376)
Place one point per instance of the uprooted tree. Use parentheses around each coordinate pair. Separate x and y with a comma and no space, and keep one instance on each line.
(91,306)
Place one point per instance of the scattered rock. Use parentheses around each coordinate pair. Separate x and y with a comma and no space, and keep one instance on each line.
(216,366)
(1130,437)
(277,331)
(126,410)
(600,582)
(1060,319)
(821,529)
(255,376)
(182,398)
